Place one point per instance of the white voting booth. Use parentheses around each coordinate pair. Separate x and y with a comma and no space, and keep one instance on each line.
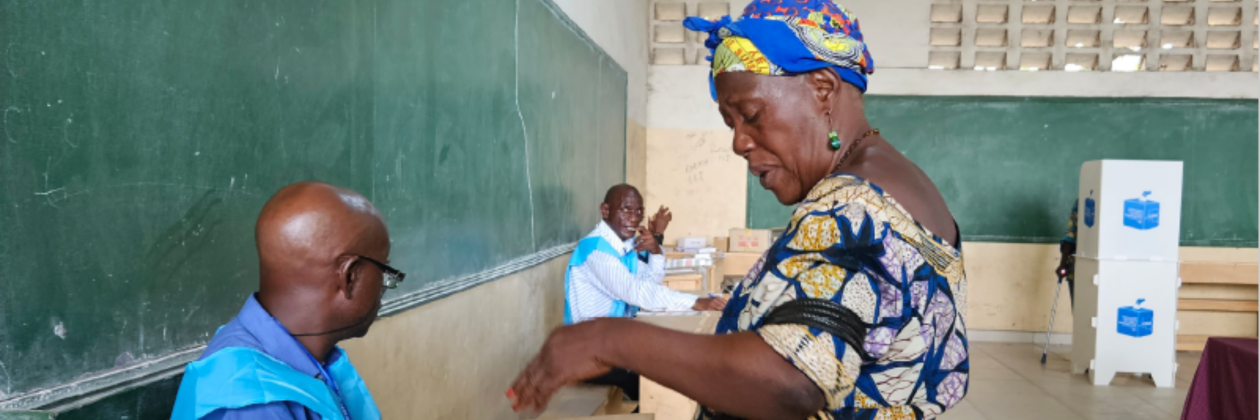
(1128,232)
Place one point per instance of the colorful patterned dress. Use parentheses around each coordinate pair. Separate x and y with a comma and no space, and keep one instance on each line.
(852,244)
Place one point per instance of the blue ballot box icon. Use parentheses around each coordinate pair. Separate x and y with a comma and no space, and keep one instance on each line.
(1140,213)
(1090,208)
(1135,321)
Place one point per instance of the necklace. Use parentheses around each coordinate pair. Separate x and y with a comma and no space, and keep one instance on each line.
(847,151)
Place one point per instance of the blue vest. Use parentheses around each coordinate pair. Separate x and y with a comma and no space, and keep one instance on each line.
(585,248)
(237,377)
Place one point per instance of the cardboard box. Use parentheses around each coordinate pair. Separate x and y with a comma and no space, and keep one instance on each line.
(691,242)
(749,240)
(722,243)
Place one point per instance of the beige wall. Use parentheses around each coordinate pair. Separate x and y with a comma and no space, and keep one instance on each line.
(636,155)
(455,358)
(694,173)
(620,28)
(1010,287)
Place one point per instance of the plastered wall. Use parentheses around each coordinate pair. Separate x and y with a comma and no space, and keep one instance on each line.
(455,358)
(1011,288)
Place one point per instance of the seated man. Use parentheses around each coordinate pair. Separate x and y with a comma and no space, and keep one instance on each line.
(613,273)
(320,251)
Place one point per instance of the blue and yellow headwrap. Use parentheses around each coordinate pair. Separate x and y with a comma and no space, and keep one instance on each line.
(787,37)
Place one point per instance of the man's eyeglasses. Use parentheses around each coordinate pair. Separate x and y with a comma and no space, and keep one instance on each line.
(392,275)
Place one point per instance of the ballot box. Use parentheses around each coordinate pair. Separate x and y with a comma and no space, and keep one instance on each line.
(1128,234)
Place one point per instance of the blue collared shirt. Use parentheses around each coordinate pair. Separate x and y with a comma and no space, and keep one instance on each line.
(255,328)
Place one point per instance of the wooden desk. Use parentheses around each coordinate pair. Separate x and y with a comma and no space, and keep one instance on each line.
(684,282)
(732,264)
(642,416)
(586,401)
(666,403)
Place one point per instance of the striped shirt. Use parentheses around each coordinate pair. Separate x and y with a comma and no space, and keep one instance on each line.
(603,279)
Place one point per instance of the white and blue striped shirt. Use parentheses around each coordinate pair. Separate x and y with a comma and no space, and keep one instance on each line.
(603,279)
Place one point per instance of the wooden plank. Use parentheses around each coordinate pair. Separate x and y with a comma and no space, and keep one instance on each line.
(640,416)
(737,263)
(655,398)
(1212,305)
(1219,273)
(696,324)
(715,281)
(575,401)
(616,404)
(1192,338)
(1191,342)
(684,281)
(665,403)
(1194,342)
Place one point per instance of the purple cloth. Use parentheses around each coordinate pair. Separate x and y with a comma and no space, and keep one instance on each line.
(1224,386)
(255,328)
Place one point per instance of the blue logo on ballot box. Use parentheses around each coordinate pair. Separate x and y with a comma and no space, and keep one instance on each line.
(1135,321)
(1090,208)
(1140,213)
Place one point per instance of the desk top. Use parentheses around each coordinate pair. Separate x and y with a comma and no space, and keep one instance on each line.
(705,323)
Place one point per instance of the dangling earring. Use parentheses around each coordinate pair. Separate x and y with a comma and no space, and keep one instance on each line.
(833,139)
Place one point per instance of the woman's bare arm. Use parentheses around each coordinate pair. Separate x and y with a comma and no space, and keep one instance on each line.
(737,374)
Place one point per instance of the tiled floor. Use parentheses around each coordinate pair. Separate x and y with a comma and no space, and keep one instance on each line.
(1009,382)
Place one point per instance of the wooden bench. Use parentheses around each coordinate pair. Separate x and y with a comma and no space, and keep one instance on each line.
(1215,273)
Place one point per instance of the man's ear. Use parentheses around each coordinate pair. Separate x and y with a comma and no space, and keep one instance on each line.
(348,275)
(604,210)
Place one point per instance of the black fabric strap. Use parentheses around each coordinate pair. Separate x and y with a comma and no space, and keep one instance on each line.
(825,315)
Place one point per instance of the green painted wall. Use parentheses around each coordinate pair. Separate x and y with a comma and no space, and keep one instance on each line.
(1009,167)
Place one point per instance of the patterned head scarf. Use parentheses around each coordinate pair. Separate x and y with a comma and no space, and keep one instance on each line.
(787,37)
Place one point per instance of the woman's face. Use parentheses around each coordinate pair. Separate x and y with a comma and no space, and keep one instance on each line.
(779,127)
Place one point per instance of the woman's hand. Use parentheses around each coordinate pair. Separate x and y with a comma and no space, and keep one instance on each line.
(571,354)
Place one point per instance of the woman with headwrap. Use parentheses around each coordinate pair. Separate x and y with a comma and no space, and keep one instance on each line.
(856,311)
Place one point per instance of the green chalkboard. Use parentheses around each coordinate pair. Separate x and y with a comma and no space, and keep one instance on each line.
(1009,167)
(140,139)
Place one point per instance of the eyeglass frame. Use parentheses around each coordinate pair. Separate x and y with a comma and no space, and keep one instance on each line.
(392,276)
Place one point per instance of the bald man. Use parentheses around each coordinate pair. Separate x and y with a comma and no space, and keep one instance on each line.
(321,252)
(613,273)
